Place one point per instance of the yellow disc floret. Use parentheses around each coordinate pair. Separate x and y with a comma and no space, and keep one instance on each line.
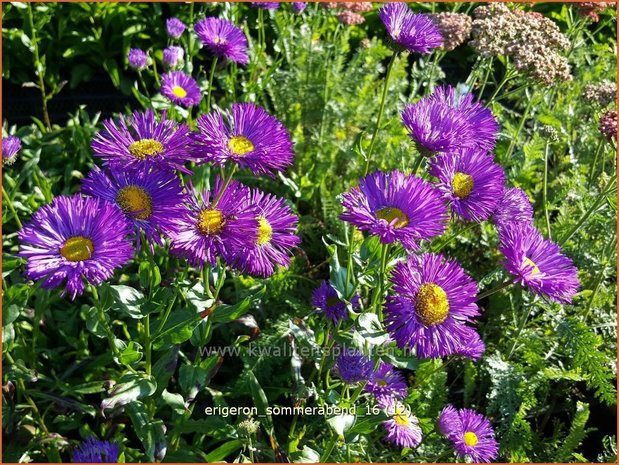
(470,439)
(135,200)
(211,221)
(77,249)
(390,214)
(462,185)
(179,91)
(265,231)
(432,305)
(240,145)
(146,148)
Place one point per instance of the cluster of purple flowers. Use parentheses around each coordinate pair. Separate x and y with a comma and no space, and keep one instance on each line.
(432,305)
(138,195)
(220,37)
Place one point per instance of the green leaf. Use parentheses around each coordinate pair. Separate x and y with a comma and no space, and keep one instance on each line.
(341,423)
(130,354)
(214,426)
(151,432)
(224,451)
(225,313)
(177,329)
(174,400)
(10,314)
(260,401)
(128,300)
(130,387)
(192,378)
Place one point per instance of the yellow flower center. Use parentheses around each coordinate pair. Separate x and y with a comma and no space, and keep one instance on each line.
(135,200)
(390,214)
(432,305)
(529,262)
(401,416)
(179,91)
(211,222)
(219,40)
(265,231)
(146,148)
(240,145)
(77,249)
(381,382)
(462,185)
(470,439)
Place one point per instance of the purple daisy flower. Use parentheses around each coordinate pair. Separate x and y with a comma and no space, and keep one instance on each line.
(266,5)
(396,207)
(449,421)
(387,382)
(473,346)
(276,236)
(75,238)
(410,31)
(215,223)
(483,126)
(299,7)
(246,135)
(470,433)
(95,451)
(223,39)
(142,140)
(151,199)
(352,366)
(137,58)
(180,88)
(402,427)
(538,263)
(10,146)
(173,56)
(470,181)
(175,27)
(327,301)
(446,122)
(434,299)
(435,128)
(514,207)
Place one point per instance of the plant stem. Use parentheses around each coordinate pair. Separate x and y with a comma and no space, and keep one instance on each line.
(545,190)
(523,120)
(39,67)
(519,331)
(417,163)
(224,187)
(377,297)
(210,84)
(147,344)
(598,149)
(601,196)
(9,203)
(22,388)
(329,449)
(381,109)
(501,286)
(446,242)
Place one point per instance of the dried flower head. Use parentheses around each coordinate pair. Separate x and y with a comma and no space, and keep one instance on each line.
(603,93)
(608,125)
(532,41)
(590,10)
(348,18)
(455,28)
